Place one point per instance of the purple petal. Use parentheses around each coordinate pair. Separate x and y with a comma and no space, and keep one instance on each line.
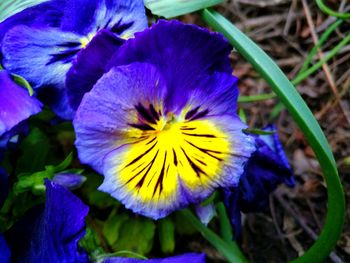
(182,54)
(205,212)
(189,257)
(61,227)
(90,65)
(120,17)
(5,253)
(104,113)
(43,57)
(16,104)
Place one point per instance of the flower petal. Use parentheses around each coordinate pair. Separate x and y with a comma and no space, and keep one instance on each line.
(121,17)
(43,57)
(189,257)
(182,54)
(61,227)
(205,212)
(103,115)
(16,104)
(89,65)
(5,253)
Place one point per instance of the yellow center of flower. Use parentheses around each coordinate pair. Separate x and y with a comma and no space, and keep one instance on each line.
(168,151)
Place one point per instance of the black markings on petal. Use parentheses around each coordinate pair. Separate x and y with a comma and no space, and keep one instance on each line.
(186,128)
(141,155)
(207,151)
(195,114)
(70,44)
(119,27)
(175,157)
(143,127)
(145,114)
(154,112)
(140,183)
(65,56)
(200,135)
(194,166)
(159,183)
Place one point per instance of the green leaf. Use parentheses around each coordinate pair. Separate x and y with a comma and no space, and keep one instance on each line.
(172,8)
(258,131)
(166,231)
(91,243)
(111,227)
(35,148)
(23,82)
(11,7)
(136,235)
(307,123)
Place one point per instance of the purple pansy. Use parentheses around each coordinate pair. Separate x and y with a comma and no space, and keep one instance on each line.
(161,124)
(16,104)
(266,169)
(189,257)
(69,180)
(44,50)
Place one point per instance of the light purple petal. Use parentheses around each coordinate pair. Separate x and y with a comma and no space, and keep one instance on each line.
(189,257)
(16,104)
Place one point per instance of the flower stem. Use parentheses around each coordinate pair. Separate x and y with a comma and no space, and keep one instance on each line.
(229,249)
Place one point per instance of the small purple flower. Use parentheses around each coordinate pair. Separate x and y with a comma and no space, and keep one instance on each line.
(16,104)
(43,49)
(189,257)
(69,180)
(161,124)
(266,169)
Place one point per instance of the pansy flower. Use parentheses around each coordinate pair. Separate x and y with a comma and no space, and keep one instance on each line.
(161,124)
(5,253)
(266,169)
(44,52)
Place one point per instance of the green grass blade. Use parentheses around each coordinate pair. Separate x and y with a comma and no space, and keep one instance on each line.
(331,12)
(11,7)
(172,8)
(307,123)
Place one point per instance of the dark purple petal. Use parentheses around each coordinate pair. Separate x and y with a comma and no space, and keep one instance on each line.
(56,237)
(5,253)
(120,17)
(16,104)
(182,54)
(189,257)
(4,187)
(90,65)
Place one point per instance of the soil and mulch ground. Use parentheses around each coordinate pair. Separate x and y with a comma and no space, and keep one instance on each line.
(286,30)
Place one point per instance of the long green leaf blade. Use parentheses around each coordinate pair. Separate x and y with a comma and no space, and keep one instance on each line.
(172,8)
(307,123)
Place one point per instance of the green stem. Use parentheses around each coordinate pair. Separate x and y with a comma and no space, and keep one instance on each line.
(254,98)
(228,249)
(307,123)
(225,225)
(331,12)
